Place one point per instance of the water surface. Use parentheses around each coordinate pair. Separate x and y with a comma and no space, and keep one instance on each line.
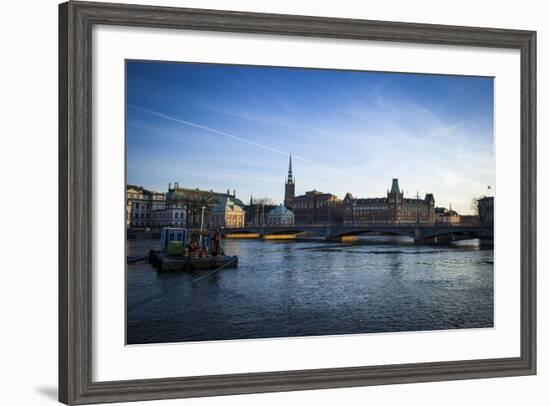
(283,289)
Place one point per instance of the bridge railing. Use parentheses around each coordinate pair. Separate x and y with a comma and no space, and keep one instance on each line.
(367,224)
(411,224)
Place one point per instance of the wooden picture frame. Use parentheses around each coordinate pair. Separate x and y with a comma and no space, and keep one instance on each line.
(76,20)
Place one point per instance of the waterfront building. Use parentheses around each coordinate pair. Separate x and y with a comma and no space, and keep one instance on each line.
(313,206)
(317,207)
(290,184)
(175,214)
(394,208)
(446,216)
(159,218)
(280,215)
(158,211)
(197,204)
(485,208)
(140,206)
(226,214)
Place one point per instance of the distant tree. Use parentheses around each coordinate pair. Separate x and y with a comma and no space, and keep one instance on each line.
(266,201)
(194,201)
(474,205)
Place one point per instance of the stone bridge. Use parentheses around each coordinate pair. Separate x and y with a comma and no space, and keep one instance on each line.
(418,231)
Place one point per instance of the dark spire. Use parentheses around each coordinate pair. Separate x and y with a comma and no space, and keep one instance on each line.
(290,163)
(289,185)
(290,177)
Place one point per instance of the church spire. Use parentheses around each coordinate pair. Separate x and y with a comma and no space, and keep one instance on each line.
(289,186)
(290,163)
(290,178)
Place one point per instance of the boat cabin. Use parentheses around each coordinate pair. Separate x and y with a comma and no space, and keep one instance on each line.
(168,234)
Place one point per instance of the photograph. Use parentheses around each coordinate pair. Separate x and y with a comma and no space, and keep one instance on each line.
(269,202)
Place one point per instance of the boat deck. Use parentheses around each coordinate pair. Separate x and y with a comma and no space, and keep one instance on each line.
(165,262)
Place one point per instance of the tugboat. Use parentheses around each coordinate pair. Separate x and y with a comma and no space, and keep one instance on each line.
(188,250)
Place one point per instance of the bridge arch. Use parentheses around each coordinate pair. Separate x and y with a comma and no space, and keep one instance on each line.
(229,231)
(371,230)
(419,232)
(460,233)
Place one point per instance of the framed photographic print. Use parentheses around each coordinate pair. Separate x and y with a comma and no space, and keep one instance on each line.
(257,202)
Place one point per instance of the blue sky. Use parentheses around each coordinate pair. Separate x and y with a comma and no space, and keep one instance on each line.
(232,127)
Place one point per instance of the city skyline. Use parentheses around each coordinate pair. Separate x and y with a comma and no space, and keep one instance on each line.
(233,127)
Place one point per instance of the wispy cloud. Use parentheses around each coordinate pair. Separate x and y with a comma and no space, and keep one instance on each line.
(328,171)
(163,133)
(215,131)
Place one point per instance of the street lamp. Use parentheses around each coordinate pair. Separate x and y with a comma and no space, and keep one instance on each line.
(202,222)
(202,216)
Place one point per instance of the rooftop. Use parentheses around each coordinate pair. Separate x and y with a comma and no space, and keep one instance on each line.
(280,211)
(227,205)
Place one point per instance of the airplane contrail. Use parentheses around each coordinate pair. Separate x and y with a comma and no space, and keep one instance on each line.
(213,130)
(340,172)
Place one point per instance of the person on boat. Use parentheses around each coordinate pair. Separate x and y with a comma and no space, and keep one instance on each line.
(194,247)
(216,246)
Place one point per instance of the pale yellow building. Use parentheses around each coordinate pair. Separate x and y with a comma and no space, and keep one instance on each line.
(226,214)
